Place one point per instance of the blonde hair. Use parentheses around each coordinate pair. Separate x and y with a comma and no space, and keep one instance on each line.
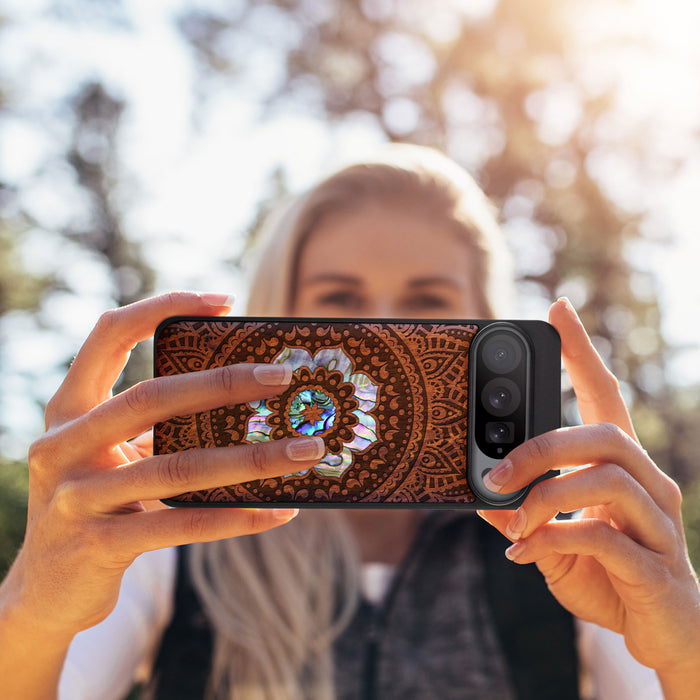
(277,600)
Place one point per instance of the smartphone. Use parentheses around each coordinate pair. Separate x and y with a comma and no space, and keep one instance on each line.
(413,413)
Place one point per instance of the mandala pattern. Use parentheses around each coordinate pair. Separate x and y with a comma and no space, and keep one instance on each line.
(325,398)
(389,401)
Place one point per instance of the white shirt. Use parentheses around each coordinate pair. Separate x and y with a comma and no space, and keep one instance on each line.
(104,661)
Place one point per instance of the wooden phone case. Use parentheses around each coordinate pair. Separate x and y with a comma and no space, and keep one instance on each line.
(389,398)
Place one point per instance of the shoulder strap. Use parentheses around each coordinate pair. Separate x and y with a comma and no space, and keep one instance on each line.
(536,633)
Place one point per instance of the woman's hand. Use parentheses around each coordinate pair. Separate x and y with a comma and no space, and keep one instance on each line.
(624,564)
(86,517)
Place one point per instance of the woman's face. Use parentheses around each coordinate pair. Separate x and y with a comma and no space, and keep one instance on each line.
(385,261)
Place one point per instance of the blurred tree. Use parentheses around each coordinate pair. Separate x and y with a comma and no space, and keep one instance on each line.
(501,87)
(94,156)
(19,290)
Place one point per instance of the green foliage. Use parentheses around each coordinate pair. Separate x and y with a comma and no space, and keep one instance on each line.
(14,484)
(691,521)
(18,289)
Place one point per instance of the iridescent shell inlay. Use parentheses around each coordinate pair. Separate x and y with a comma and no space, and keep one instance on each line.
(316,409)
(312,412)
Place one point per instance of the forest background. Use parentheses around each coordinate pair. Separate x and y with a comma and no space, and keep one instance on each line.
(140,144)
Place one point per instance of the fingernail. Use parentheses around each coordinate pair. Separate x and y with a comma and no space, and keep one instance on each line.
(304,449)
(285,514)
(273,375)
(517,525)
(218,299)
(499,476)
(569,306)
(515,550)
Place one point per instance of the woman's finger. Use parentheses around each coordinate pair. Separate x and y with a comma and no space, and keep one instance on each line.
(138,448)
(621,556)
(170,475)
(605,486)
(142,532)
(142,445)
(597,390)
(138,408)
(102,357)
(579,445)
(497,518)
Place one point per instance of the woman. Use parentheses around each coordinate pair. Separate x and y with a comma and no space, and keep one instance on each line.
(410,236)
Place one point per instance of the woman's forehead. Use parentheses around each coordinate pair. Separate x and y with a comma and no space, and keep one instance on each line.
(344,242)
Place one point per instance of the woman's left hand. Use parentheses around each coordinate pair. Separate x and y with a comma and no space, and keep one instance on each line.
(623,564)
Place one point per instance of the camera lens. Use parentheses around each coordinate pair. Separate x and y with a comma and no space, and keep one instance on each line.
(500,396)
(502,353)
(499,432)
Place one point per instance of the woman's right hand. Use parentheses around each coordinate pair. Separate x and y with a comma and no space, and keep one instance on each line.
(86,516)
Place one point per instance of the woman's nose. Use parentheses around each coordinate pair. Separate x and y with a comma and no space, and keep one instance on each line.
(382,308)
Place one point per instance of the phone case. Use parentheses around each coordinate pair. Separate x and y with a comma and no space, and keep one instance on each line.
(389,398)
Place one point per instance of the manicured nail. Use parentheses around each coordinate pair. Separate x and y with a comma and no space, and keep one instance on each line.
(304,449)
(273,375)
(515,550)
(285,514)
(517,525)
(499,476)
(218,300)
(569,306)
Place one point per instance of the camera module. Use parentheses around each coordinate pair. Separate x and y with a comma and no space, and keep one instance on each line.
(500,389)
(506,357)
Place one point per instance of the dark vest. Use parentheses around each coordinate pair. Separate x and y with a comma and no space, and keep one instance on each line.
(460,621)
